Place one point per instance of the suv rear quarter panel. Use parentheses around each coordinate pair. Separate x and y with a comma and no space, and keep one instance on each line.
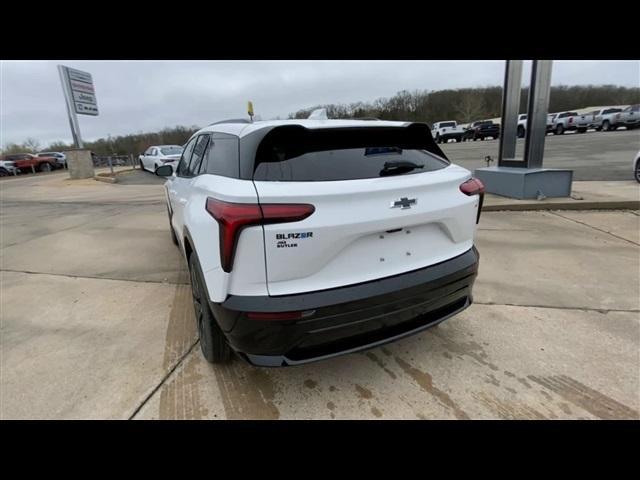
(248,274)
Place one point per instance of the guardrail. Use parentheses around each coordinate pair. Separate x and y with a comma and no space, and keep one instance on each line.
(114,161)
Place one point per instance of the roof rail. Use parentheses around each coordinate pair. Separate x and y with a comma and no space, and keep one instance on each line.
(231,120)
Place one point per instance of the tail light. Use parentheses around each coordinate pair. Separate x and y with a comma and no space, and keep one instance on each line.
(570,119)
(471,187)
(233,217)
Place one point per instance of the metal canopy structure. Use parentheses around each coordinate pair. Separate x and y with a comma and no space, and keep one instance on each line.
(525,177)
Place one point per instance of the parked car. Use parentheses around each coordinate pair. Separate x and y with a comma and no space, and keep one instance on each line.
(602,119)
(305,239)
(24,162)
(158,155)
(522,124)
(7,168)
(569,121)
(61,158)
(481,130)
(629,117)
(445,131)
(636,167)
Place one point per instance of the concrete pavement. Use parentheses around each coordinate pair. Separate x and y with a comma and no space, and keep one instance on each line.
(592,156)
(96,322)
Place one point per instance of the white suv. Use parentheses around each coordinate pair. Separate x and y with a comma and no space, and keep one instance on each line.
(307,239)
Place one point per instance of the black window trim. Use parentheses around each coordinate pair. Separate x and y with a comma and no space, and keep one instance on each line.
(195,138)
(181,162)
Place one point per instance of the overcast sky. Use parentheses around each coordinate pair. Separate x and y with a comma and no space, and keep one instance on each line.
(142,96)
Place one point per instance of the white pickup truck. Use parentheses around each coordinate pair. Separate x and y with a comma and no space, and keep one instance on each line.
(629,117)
(444,131)
(603,119)
(564,121)
(522,124)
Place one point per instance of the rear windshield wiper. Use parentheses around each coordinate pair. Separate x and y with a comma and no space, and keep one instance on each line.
(396,167)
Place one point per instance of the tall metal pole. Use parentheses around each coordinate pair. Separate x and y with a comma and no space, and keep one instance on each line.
(71,112)
(539,93)
(510,108)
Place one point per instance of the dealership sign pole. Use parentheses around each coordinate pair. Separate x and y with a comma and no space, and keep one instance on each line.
(80,97)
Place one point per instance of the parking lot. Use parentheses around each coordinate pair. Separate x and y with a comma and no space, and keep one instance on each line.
(97,319)
(591,156)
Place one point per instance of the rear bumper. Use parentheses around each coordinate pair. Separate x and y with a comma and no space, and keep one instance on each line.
(348,319)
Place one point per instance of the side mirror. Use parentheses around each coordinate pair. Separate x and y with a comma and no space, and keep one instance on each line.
(164,171)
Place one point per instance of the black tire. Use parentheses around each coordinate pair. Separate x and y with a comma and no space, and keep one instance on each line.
(598,129)
(582,130)
(606,126)
(458,140)
(520,131)
(438,139)
(174,239)
(559,129)
(45,167)
(141,165)
(213,344)
(4,172)
(482,139)
(636,173)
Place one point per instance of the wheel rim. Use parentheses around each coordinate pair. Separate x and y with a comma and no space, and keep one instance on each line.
(198,308)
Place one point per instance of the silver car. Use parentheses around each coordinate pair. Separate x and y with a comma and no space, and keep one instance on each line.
(158,155)
(61,158)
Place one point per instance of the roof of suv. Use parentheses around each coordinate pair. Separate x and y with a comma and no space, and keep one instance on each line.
(243,129)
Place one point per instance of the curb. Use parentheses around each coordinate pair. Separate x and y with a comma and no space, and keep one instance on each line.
(105,179)
(612,205)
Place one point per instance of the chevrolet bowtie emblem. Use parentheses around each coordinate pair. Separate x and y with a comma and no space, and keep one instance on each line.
(404,203)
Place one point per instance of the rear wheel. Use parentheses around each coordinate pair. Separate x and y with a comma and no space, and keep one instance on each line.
(582,130)
(606,126)
(458,140)
(559,130)
(174,239)
(4,172)
(520,131)
(212,342)
(637,171)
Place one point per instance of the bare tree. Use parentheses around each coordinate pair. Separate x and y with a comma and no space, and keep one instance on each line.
(470,106)
(32,145)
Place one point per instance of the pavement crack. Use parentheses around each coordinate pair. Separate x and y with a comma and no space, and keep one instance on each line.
(596,228)
(68,275)
(163,381)
(587,309)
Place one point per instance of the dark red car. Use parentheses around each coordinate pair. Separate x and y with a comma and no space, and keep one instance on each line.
(24,162)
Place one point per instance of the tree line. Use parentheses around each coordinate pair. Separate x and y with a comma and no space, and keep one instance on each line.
(471,104)
(118,145)
(463,105)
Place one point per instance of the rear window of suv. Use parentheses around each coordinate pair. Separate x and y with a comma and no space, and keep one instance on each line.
(301,155)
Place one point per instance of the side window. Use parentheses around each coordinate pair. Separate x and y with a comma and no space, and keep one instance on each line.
(198,154)
(148,152)
(183,166)
(222,158)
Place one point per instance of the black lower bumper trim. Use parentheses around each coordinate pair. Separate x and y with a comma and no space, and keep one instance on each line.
(351,318)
